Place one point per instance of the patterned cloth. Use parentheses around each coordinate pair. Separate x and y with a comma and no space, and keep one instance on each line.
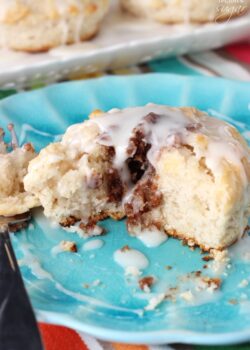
(232,62)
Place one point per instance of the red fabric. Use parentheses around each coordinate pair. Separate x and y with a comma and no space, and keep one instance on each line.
(240,52)
(60,338)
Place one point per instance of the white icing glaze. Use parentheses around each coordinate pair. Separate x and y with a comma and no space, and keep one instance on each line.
(132,271)
(56,250)
(33,263)
(79,22)
(117,127)
(241,250)
(131,258)
(154,302)
(64,29)
(119,131)
(63,9)
(39,272)
(152,238)
(93,301)
(93,244)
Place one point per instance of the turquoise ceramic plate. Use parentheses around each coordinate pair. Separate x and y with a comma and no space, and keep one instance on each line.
(111,309)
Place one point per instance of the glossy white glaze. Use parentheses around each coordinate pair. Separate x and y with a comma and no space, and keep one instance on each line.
(241,250)
(93,244)
(169,129)
(130,257)
(152,238)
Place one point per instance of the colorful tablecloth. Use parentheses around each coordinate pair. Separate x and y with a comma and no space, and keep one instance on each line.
(232,62)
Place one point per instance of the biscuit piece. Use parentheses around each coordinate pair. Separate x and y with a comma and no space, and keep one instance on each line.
(178,11)
(177,170)
(35,26)
(75,180)
(13,198)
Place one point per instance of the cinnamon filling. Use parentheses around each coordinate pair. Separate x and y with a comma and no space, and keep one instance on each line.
(145,197)
(114,186)
(69,221)
(138,149)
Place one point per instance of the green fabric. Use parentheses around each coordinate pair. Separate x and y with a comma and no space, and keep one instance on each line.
(6,93)
(235,347)
(172,65)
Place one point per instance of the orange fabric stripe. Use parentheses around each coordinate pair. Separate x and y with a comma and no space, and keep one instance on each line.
(129,347)
(60,338)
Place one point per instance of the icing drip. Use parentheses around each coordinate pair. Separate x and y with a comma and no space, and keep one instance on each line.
(152,238)
(64,31)
(186,9)
(118,133)
(63,8)
(127,257)
(93,245)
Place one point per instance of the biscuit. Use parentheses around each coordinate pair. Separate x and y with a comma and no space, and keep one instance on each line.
(13,198)
(179,11)
(175,170)
(36,26)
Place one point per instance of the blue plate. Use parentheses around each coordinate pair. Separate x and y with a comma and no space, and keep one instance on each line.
(111,310)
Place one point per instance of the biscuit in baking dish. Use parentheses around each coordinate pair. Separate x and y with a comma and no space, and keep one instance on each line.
(175,170)
(177,11)
(32,25)
(13,199)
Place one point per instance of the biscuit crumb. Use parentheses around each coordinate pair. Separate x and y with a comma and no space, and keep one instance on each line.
(125,248)
(187,296)
(68,246)
(207,258)
(220,255)
(198,273)
(212,283)
(146,283)
(69,221)
(191,243)
(221,259)
(95,113)
(29,147)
